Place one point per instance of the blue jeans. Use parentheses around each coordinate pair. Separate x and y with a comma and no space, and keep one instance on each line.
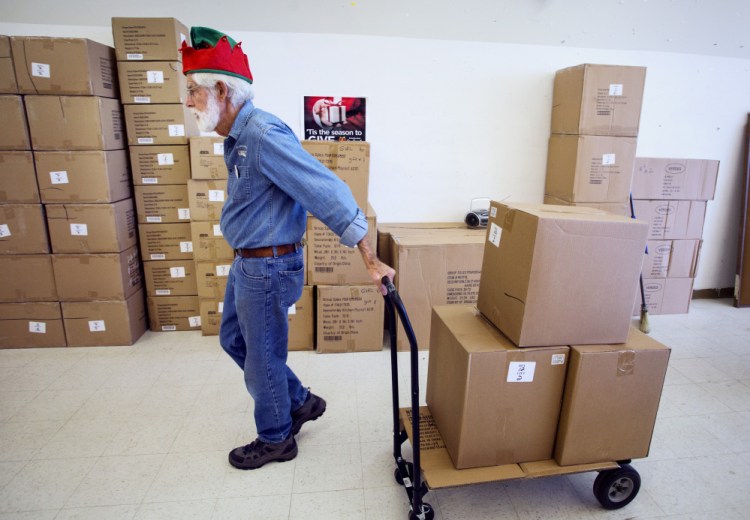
(254,332)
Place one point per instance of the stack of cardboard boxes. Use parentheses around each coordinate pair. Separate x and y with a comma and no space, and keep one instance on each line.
(671,195)
(77,135)
(158,127)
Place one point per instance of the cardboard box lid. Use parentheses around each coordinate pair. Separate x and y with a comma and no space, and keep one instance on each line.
(30,310)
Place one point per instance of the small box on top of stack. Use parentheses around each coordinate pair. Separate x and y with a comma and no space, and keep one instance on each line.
(159,128)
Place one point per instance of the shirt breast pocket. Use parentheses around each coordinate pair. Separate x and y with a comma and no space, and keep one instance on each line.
(240,183)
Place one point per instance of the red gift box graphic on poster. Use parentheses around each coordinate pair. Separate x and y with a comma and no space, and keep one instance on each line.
(332,118)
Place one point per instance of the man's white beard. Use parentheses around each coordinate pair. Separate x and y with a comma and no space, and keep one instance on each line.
(209,119)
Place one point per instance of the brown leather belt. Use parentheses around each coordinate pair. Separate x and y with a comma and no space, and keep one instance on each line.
(262,252)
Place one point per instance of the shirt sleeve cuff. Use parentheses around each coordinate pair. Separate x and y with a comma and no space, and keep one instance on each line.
(356,231)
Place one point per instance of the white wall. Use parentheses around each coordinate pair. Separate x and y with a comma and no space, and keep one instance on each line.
(449,121)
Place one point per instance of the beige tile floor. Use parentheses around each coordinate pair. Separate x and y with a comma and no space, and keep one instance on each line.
(142,432)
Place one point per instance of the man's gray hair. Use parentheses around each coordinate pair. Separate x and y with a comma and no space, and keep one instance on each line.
(239,90)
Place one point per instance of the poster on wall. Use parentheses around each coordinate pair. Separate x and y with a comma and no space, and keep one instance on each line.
(331,118)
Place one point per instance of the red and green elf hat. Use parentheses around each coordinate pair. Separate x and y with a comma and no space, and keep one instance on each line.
(214,51)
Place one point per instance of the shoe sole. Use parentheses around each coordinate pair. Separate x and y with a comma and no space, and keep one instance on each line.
(286,458)
(297,429)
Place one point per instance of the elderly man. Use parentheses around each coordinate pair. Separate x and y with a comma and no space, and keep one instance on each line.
(273,183)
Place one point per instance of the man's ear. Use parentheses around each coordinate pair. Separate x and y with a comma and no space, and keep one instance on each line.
(221,91)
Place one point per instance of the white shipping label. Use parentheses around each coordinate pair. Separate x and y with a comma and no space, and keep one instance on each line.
(216,195)
(97,326)
(218,148)
(176,130)
(217,230)
(153,219)
(134,56)
(158,256)
(163,292)
(38,327)
(615,89)
(79,230)
(194,321)
(186,247)
(40,70)
(150,180)
(183,213)
(293,309)
(221,307)
(59,177)
(558,359)
(521,371)
(154,76)
(608,159)
(493,211)
(165,159)
(177,272)
(494,235)
(223,270)
(4,230)
(141,99)
(145,140)
(168,328)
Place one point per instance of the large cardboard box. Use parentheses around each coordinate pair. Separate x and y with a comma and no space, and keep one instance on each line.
(172,313)
(166,241)
(159,124)
(492,402)
(349,318)
(672,219)
(97,276)
(148,39)
(211,278)
(206,199)
(84,176)
(31,325)
(23,229)
(665,296)
(616,208)
(611,397)
(302,321)
(27,278)
(162,204)
(105,323)
(598,100)
(18,178)
(559,275)
(207,158)
(75,123)
(586,168)
(329,262)
(8,84)
(349,160)
(151,82)
(170,278)
(209,242)
(211,313)
(64,66)
(435,267)
(671,258)
(14,132)
(385,231)
(674,179)
(92,228)
(163,164)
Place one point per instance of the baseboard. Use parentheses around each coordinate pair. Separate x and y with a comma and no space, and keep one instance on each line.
(726,292)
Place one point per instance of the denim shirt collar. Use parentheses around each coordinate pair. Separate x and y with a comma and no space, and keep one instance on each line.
(243,116)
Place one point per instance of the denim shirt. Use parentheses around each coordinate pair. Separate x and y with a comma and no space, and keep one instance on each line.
(273,182)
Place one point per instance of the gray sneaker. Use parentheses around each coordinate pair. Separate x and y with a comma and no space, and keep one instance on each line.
(258,453)
(313,408)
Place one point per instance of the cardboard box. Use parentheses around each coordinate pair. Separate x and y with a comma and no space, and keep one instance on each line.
(75,123)
(207,158)
(665,296)
(671,259)
(159,124)
(92,228)
(162,204)
(172,313)
(27,278)
(211,312)
(18,178)
(31,325)
(611,397)
(672,219)
(560,275)
(598,100)
(148,39)
(349,160)
(385,231)
(105,323)
(23,229)
(170,278)
(165,164)
(616,208)
(211,278)
(208,241)
(585,168)
(673,179)
(14,132)
(350,318)
(302,321)
(97,276)
(206,199)
(64,66)
(166,241)
(8,84)
(84,176)
(437,267)
(492,402)
(152,82)
(329,262)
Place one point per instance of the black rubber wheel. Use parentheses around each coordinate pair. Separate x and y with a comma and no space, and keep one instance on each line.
(616,488)
(427,513)
(409,470)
